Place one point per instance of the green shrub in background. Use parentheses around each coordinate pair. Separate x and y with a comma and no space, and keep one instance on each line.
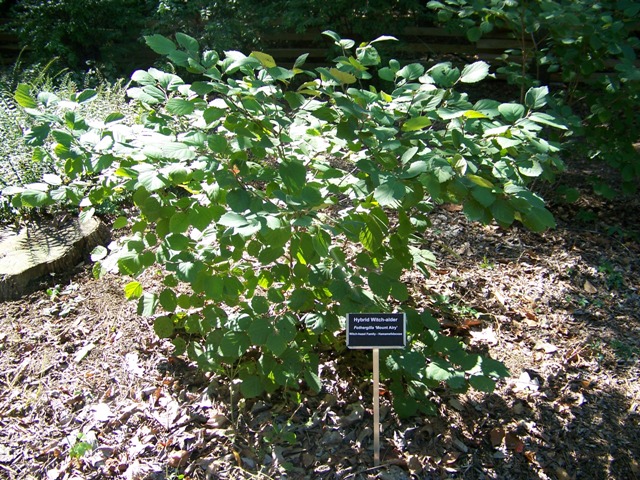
(591,46)
(84,34)
(107,34)
(273,202)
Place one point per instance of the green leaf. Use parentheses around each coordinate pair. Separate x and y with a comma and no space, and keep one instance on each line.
(187,42)
(313,381)
(411,71)
(482,383)
(390,193)
(416,123)
(86,96)
(143,77)
(120,222)
(379,285)
(234,344)
(180,106)
(293,174)
(147,304)
(484,196)
(238,200)
(266,60)
(23,96)
(511,111)
(474,34)
(404,405)
(168,300)
(231,219)
(536,97)
(163,326)
(160,44)
(133,290)
(251,385)
(503,212)
(538,219)
(149,94)
(300,60)
(546,119)
(474,72)
(34,198)
(341,77)
(438,370)
(259,331)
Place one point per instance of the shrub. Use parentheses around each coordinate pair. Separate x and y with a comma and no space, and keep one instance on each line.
(82,33)
(590,46)
(277,201)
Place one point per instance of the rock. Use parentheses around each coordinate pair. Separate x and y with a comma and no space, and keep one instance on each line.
(42,248)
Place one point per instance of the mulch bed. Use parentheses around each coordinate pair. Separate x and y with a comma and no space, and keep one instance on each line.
(87,390)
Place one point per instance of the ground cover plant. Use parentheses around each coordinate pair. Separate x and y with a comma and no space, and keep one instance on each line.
(273,202)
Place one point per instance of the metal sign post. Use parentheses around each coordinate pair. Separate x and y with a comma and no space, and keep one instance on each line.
(376,331)
(376,407)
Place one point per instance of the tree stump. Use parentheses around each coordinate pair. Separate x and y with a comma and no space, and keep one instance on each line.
(44,247)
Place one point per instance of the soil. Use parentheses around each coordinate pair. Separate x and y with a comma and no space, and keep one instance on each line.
(87,390)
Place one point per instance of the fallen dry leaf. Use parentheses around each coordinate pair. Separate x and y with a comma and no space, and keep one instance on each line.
(496,435)
(513,442)
(178,459)
(450,458)
(545,346)
(589,288)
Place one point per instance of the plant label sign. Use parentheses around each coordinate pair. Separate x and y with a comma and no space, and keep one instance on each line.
(376,330)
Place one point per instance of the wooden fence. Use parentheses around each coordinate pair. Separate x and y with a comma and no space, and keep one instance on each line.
(423,44)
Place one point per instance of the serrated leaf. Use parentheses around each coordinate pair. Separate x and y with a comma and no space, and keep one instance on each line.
(23,96)
(390,193)
(234,344)
(147,304)
(536,97)
(344,78)
(474,72)
(266,60)
(133,290)
(180,106)
(546,119)
(538,219)
(511,111)
(163,326)
(313,381)
(438,370)
(259,331)
(187,42)
(416,123)
(411,71)
(480,181)
(251,385)
(160,44)
(482,383)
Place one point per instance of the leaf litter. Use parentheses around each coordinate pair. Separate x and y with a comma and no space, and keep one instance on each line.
(89,391)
